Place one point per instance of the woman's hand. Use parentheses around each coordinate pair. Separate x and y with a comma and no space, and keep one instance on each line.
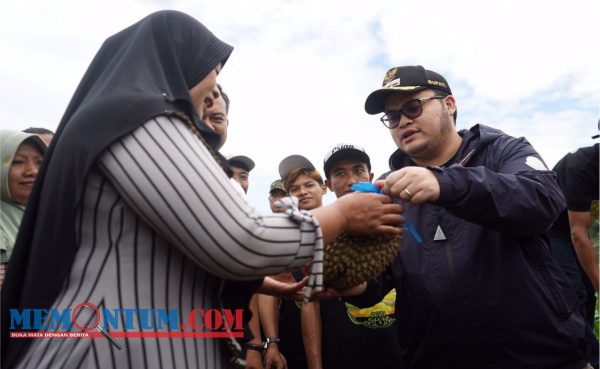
(368,213)
(282,285)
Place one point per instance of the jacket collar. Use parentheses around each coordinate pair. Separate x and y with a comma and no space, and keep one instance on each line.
(473,140)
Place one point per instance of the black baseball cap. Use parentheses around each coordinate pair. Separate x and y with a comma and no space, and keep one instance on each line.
(241,161)
(408,79)
(345,151)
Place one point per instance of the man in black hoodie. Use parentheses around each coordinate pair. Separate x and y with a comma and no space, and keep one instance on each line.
(476,284)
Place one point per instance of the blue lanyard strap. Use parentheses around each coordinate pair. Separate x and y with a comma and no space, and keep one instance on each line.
(370,187)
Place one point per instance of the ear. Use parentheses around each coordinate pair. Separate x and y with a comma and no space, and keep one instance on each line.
(371,176)
(328,184)
(324,187)
(450,103)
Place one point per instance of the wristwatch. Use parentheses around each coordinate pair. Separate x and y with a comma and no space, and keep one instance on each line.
(260,347)
(271,340)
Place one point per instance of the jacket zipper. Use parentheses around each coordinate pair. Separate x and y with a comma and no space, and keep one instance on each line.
(458,299)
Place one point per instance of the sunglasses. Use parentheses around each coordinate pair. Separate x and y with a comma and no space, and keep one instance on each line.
(411,110)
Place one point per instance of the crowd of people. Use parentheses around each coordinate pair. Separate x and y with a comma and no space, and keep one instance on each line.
(131,204)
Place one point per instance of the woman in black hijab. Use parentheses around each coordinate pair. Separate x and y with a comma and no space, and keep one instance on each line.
(132,209)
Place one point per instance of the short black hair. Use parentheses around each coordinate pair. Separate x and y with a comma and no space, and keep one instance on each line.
(38,131)
(225,97)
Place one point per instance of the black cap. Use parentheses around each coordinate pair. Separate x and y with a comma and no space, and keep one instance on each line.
(408,79)
(241,161)
(345,151)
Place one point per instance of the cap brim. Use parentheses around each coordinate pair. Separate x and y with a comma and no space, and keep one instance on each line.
(346,154)
(293,162)
(375,102)
(278,189)
(246,162)
(37,141)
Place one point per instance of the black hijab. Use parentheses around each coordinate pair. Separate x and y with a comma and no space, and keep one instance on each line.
(141,72)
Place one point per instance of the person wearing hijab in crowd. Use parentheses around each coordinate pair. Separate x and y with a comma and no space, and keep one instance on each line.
(132,209)
(22,155)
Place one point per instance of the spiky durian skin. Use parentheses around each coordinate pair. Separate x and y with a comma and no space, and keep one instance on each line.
(351,259)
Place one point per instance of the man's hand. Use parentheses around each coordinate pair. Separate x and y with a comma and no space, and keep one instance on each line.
(414,184)
(274,359)
(253,360)
(332,292)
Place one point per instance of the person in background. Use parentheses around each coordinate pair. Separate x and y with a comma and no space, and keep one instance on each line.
(351,337)
(22,154)
(268,306)
(281,318)
(216,114)
(276,193)
(133,208)
(571,244)
(476,285)
(241,166)
(303,181)
(44,133)
(216,117)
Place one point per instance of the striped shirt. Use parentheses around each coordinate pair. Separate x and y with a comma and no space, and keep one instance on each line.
(159,226)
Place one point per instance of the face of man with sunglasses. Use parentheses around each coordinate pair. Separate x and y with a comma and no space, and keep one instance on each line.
(422,126)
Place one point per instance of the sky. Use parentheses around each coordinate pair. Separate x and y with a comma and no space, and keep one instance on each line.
(301,70)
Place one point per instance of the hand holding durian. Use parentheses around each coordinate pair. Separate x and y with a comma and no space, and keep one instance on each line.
(355,258)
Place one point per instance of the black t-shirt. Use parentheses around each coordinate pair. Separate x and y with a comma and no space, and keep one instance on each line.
(578,179)
(360,338)
(290,333)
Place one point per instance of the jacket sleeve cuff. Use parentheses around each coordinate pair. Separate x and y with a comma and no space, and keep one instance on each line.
(446,183)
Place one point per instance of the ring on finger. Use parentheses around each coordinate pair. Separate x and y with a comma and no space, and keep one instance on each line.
(407,192)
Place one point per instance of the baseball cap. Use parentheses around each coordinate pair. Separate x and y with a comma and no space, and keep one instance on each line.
(345,151)
(294,162)
(277,185)
(241,161)
(405,79)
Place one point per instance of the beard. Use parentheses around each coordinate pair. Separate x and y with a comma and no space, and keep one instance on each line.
(433,145)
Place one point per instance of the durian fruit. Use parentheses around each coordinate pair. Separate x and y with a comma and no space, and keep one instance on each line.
(352,259)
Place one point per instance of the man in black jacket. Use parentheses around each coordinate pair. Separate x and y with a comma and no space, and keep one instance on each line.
(476,284)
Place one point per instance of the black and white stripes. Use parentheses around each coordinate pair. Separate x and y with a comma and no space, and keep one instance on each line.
(171,178)
(158,226)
